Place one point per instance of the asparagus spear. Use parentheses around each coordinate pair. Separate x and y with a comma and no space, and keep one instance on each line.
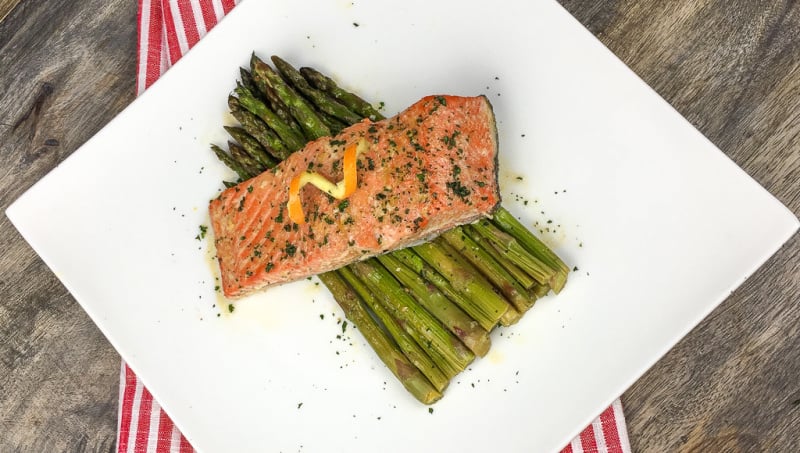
(409,375)
(252,147)
(452,317)
(232,163)
(447,351)
(493,271)
(323,102)
(258,129)
(291,139)
(519,275)
(247,162)
(512,249)
(274,102)
(350,100)
(540,290)
(410,348)
(333,124)
(250,84)
(508,223)
(463,277)
(510,317)
(478,309)
(300,109)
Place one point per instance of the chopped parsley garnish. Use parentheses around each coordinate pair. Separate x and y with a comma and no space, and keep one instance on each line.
(203,231)
(458,189)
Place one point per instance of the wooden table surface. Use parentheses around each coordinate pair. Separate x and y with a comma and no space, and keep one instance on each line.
(732,67)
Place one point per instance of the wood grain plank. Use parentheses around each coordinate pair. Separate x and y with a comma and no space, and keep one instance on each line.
(6,6)
(68,68)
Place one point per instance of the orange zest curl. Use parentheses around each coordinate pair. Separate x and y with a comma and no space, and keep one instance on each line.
(340,190)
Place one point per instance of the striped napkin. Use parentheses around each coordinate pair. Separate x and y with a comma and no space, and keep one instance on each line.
(167,30)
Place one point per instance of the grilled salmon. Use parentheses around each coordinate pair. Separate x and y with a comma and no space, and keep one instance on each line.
(428,169)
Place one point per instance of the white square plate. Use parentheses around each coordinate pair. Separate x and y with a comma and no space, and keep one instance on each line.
(660,224)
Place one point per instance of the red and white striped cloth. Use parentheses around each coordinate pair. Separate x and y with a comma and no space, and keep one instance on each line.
(167,30)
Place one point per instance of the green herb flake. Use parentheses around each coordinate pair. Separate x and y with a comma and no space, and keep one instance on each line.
(231,308)
(203,231)
(458,189)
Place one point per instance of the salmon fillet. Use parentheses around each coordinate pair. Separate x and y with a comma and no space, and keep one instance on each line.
(428,169)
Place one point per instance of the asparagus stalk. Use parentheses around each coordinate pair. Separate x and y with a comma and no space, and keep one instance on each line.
(348,99)
(464,278)
(232,163)
(477,309)
(519,275)
(508,223)
(407,345)
(540,290)
(277,106)
(453,318)
(252,146)
(447,351)
(300,109)
(249,164)
(333,124)
(408,374)
(250,84)
(258,129)
(511,315)
(512,249)
(493,271)
(291,139)
(323,102)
